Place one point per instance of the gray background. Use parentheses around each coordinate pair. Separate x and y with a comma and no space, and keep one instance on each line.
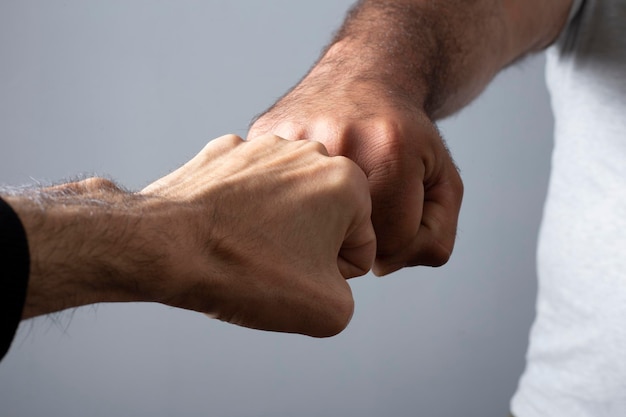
(132,89)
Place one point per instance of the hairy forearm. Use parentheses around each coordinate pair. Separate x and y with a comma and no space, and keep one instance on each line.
(83,245)
(439,55)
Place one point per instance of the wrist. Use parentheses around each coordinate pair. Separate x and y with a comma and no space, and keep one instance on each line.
(425,51)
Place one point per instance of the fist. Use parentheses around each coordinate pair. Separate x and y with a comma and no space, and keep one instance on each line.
(265,233)
(415,187)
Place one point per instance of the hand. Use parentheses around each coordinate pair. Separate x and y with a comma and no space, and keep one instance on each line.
(266,233)
(415,187)
(262,234)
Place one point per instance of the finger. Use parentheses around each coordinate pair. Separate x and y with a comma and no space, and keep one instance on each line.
(358,250)
(434,241)
(357,255)
(398,202)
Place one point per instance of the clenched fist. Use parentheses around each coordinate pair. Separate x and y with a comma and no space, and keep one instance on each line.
(262,234)
(415,186)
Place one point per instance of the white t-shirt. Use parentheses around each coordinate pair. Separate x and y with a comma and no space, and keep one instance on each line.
(576,360)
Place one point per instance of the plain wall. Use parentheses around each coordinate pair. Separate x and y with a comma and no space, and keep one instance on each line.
(132,89)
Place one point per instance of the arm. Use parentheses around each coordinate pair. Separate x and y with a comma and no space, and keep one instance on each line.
(209,237)
(441,54)
(393,69)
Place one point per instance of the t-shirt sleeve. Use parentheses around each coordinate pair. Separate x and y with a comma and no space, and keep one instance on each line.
(14,272)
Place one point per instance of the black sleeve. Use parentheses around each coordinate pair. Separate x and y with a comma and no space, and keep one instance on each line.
(14,271)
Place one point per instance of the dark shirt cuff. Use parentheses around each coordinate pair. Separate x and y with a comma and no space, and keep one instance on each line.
(14,271)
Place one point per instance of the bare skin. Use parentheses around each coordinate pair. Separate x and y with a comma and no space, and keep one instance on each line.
(395,68)
(209,238)
(262,234)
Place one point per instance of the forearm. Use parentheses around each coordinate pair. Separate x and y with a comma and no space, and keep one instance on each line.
(81,238)
(439,55)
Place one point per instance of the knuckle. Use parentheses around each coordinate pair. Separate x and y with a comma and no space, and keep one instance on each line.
(315,146)
(345,166)
(267,138)
(232,138)
(389,139)
(291,130)
(347,179)
(388,129)
(229,141)
(266,142)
